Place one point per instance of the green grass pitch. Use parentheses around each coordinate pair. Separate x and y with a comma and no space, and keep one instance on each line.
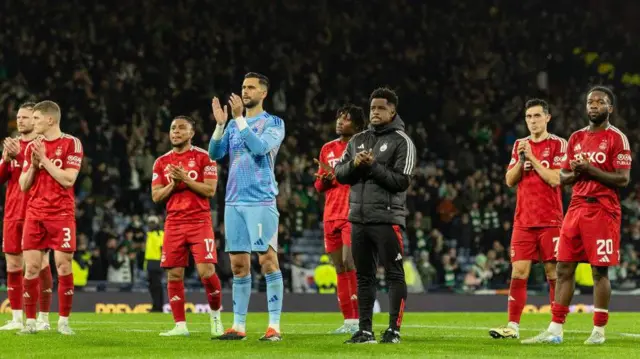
(433,335)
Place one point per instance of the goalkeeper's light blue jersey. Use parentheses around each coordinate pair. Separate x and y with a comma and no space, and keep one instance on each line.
(252,156)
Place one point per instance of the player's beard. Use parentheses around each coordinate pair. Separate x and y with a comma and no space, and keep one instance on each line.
(181,145)
(26,132)
(600,118)
(251,103)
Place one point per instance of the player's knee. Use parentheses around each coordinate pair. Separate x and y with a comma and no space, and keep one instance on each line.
(348,261)
(175,274)
(521,270)
(63,268)
(349,265)
(269,262)
(565,271)
(14,264)
(550,271)
(206,270)
(239,269)
(32,269)
(340,266)
(270,266)
(600,273)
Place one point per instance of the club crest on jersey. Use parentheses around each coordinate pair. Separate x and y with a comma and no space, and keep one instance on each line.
(577,148)
(383,147)
(331,154)
(546,152)
(603,145)
(192,163)
(58,151)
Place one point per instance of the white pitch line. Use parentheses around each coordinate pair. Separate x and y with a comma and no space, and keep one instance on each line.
(415,326)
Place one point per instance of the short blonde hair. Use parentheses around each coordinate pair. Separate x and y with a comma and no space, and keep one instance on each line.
(49,108)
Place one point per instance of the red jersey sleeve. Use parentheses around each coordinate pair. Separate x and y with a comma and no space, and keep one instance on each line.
(621,151)
(27,158)
(569,155)
(5,171)
(74,155)
(514,155)
(209,168)
(158,178)
(560,153)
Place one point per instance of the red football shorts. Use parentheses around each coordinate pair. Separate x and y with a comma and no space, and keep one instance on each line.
(12,236)
(180,239)
(336,234)
(590,234)
(534,244)
(56,234)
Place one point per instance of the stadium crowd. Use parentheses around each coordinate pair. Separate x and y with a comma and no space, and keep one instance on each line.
(463,71)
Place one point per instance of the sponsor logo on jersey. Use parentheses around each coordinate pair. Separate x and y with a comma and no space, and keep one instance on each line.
(623,160)
(593,157)
(74,160)
(211,170)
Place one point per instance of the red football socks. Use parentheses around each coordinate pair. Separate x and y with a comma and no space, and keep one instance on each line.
(14,289)
(344,295)
(517,299)
(46,289)
(214,292)
(31,293)
(175,289)
(559,313)
(65,294)
(353,287)
(600,317)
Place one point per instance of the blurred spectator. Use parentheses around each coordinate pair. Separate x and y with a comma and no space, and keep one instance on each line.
(477,277)
(427,271)
(121,266)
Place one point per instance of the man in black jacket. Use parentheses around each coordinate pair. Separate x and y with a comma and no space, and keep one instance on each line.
(378,164)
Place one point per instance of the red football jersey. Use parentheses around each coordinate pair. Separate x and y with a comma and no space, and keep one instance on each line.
(15,203)
(184,205)
(607,150)
(537,203)
(336,205)
(46,197)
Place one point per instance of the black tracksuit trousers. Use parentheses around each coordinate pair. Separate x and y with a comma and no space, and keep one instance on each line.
(371,244)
